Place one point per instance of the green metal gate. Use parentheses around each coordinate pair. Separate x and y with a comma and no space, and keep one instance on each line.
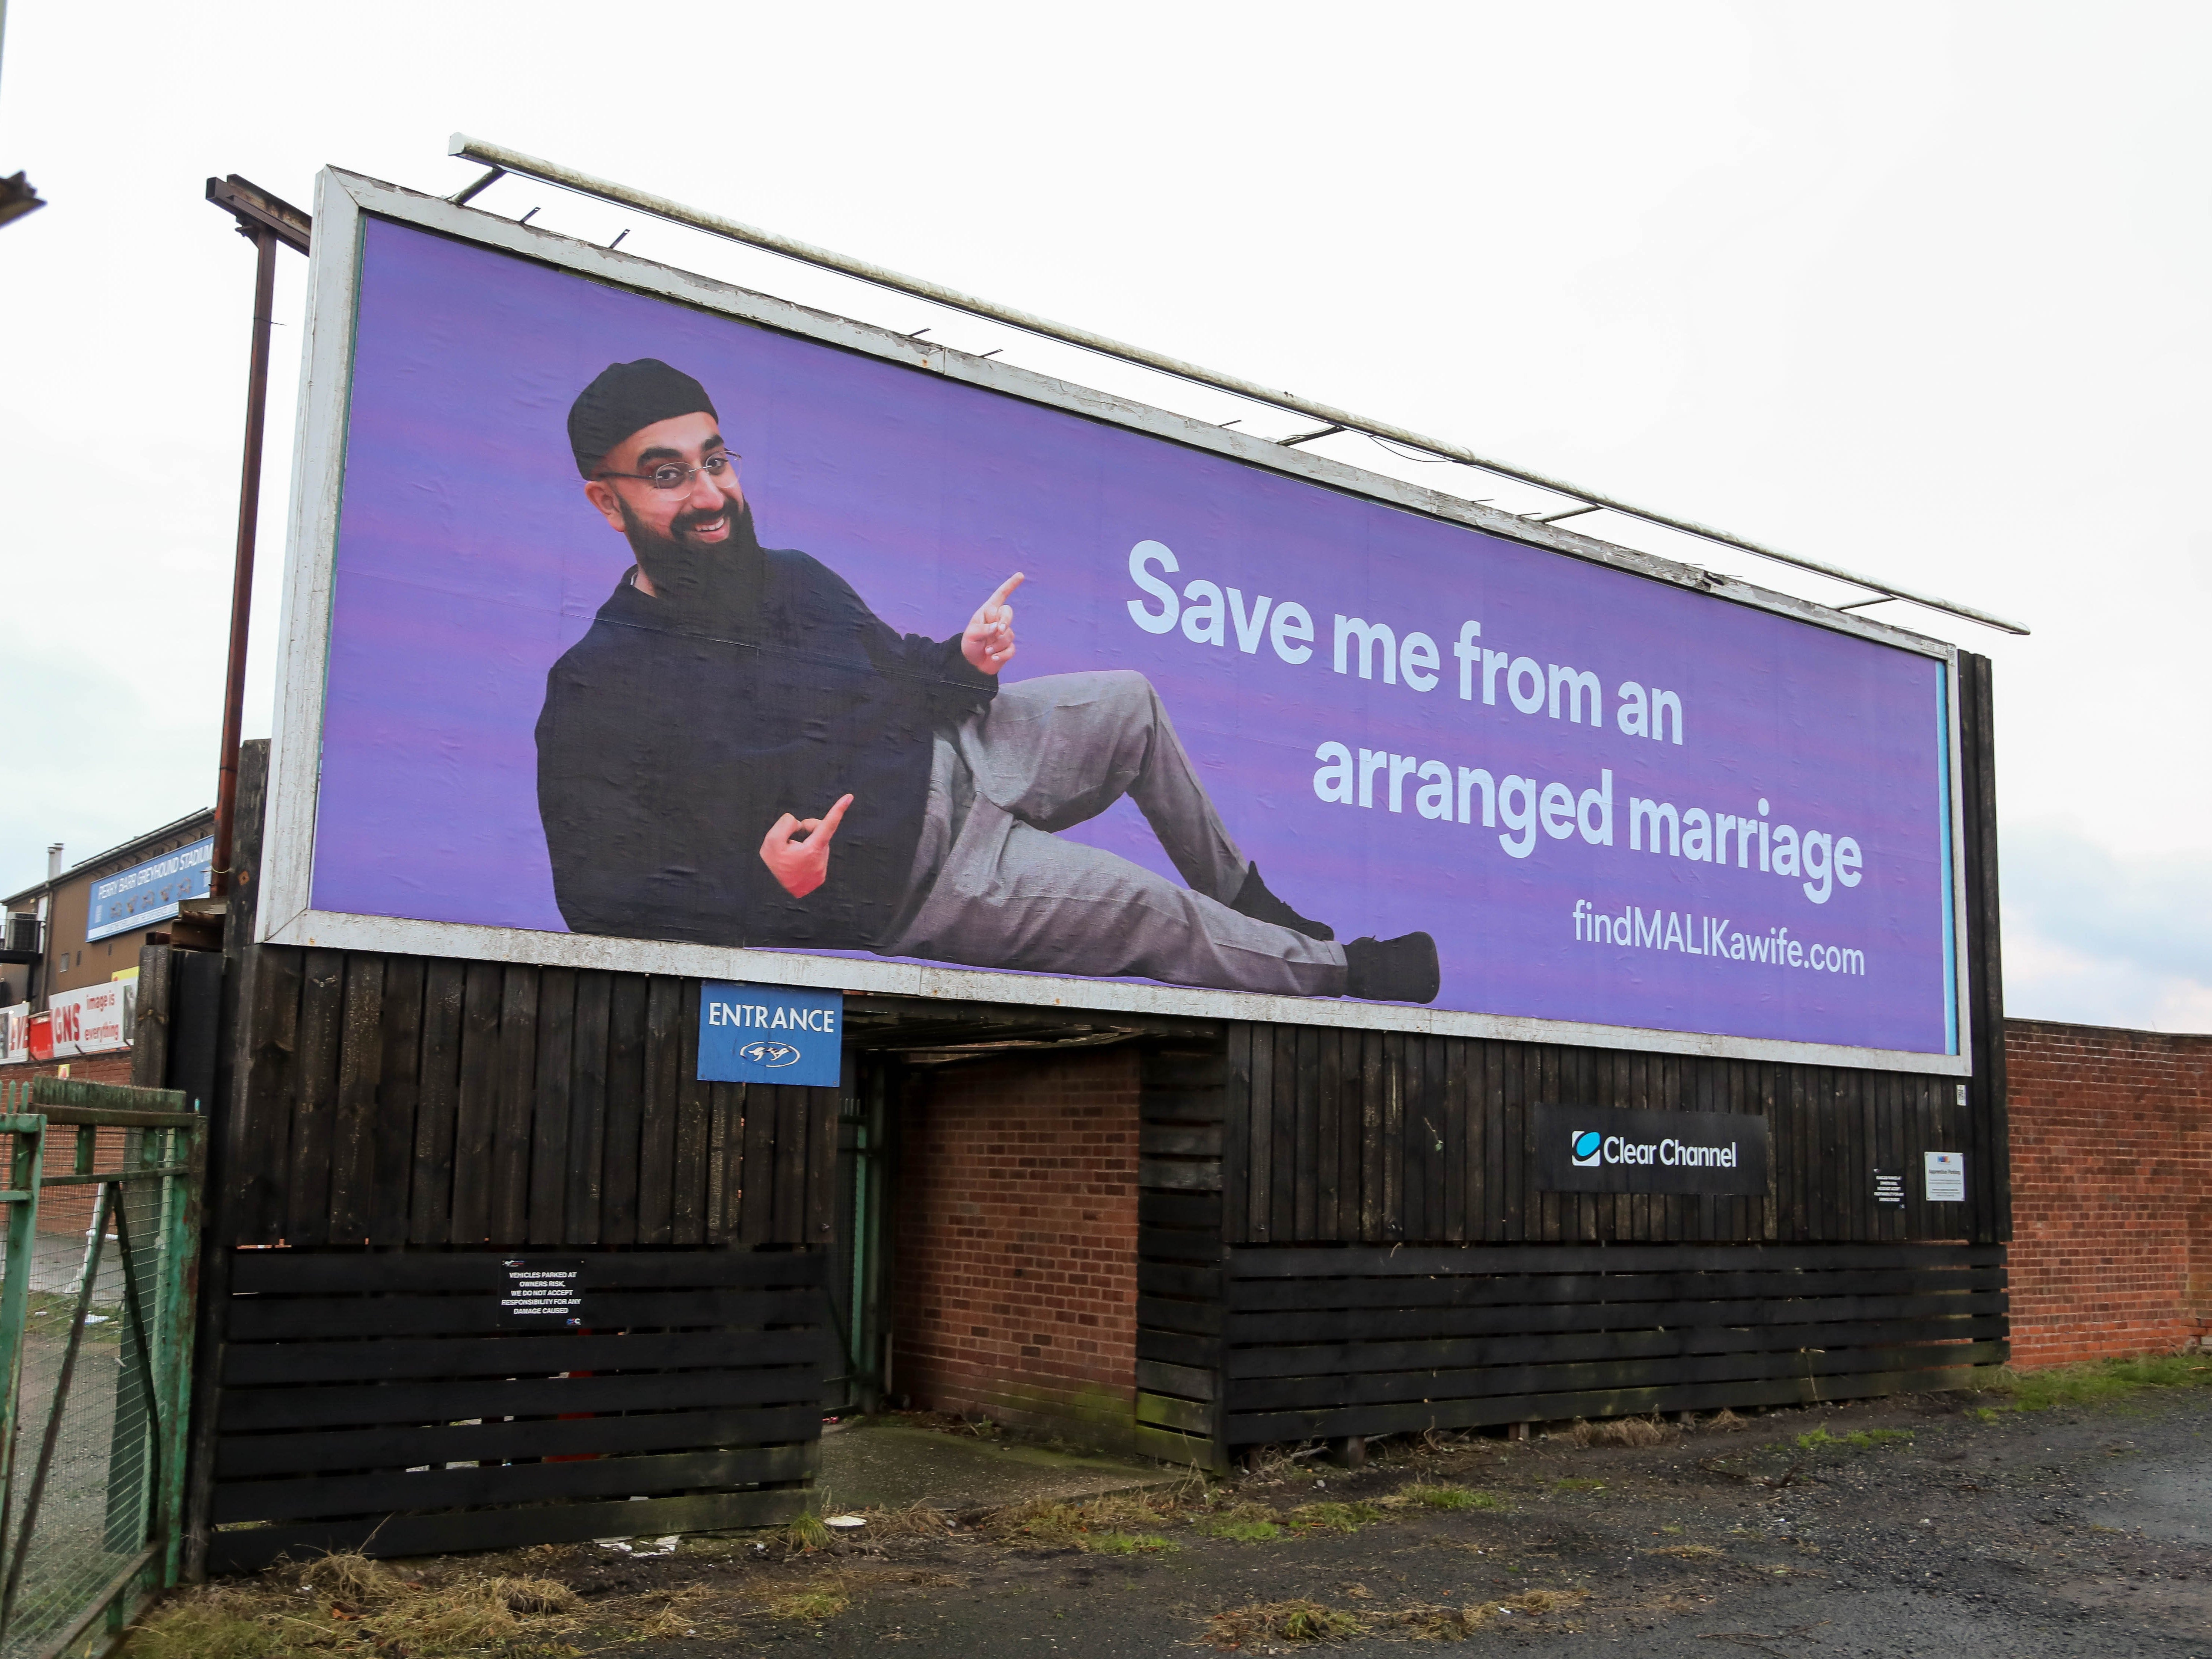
(102,1201)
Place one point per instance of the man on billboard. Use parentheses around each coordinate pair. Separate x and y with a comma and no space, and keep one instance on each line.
(741,752)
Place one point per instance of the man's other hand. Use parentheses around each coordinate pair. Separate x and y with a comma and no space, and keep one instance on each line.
(802,865)
(989,639)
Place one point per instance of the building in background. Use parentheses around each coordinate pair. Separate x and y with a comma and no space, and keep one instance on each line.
(71,958)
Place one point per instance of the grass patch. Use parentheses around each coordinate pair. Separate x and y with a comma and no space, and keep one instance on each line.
(1245,1531)
(1450,1498)
(1120,1524)
(1260,1622)
(2099,1381)
(811,1605)
(1128,1543)
(1338,1517)
(1822,1440)
(808,1533)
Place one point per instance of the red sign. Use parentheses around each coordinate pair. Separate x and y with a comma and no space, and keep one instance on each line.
(42,1038)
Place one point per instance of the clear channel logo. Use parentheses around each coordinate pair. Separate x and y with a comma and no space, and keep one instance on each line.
(1586,1146)
(762,1051)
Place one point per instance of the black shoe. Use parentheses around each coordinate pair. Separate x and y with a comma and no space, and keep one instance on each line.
(1253,900)
(1402,969)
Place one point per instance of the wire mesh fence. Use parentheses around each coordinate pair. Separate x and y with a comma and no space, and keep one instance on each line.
(95,1282)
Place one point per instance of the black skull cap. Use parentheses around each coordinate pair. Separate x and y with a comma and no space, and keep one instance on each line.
(628,398)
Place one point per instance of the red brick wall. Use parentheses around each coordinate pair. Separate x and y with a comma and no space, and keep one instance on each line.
(1016,1270)
(2111,1190)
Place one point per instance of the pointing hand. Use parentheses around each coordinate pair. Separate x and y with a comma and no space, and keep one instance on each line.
(989,639)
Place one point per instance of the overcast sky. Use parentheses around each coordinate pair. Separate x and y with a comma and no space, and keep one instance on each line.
(1917,289)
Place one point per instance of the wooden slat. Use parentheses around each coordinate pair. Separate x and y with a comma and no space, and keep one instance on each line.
(359,1075)
(477,1111)
(259,1150)
(314,1100)
(302,1272)
(430,1199)
(329,1495)
(399,1098)
(821,1214)
(244,1456)
(1259,1333)
(1439,1361)
(150,1033)
(587,1110)
(757,1216)
(690,1173)
(1411,1262)
(283,1363)
(249,1549)
(1287,1296)
(301,1318)
(451,1400)
(664,1065)
(1257,1427)
(625,1109)
(515,1093)
(553,1105)
(1398,1387)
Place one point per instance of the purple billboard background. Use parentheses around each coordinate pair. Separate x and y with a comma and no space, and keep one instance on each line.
(468,561)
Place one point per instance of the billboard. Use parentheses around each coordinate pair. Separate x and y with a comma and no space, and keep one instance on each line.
(15,1033)
(149,892)
(94,1020)
(634,620)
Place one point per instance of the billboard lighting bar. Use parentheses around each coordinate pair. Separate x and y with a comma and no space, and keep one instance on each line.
(502,159)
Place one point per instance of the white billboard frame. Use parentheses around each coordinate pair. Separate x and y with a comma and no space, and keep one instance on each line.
(285,911)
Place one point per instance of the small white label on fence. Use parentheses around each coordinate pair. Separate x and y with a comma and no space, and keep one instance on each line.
(1946,1177)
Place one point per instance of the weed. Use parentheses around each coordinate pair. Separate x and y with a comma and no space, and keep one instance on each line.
(205,1624)
(1285,1621)
(1447,1498)
(1820,1439)
(1723,1421)
(347,1604)
(1127,1543)
(812,1605)
(2100,1381)
(1113,1525)
(1245,1532)
(808,1533)
(1342,1518)
(1625,1432)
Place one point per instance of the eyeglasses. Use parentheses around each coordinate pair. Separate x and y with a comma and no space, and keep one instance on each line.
(674,475)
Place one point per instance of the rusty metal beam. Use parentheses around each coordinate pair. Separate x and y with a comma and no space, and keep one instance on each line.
(661,207)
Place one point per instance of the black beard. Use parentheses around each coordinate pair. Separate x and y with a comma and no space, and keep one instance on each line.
(708,582)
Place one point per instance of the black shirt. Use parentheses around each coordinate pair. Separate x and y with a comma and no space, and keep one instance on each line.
(674,736)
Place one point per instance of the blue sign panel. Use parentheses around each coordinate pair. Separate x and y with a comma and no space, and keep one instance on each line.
(766,1034)
(149,892)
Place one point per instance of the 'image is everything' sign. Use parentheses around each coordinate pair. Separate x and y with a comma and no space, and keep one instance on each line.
(692,630)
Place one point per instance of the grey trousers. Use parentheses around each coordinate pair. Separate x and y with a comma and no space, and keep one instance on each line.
(992,885)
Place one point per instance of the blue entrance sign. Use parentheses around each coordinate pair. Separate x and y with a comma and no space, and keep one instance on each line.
(767,1034)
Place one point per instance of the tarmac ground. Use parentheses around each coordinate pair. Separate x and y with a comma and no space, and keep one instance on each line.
(1951,1525)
